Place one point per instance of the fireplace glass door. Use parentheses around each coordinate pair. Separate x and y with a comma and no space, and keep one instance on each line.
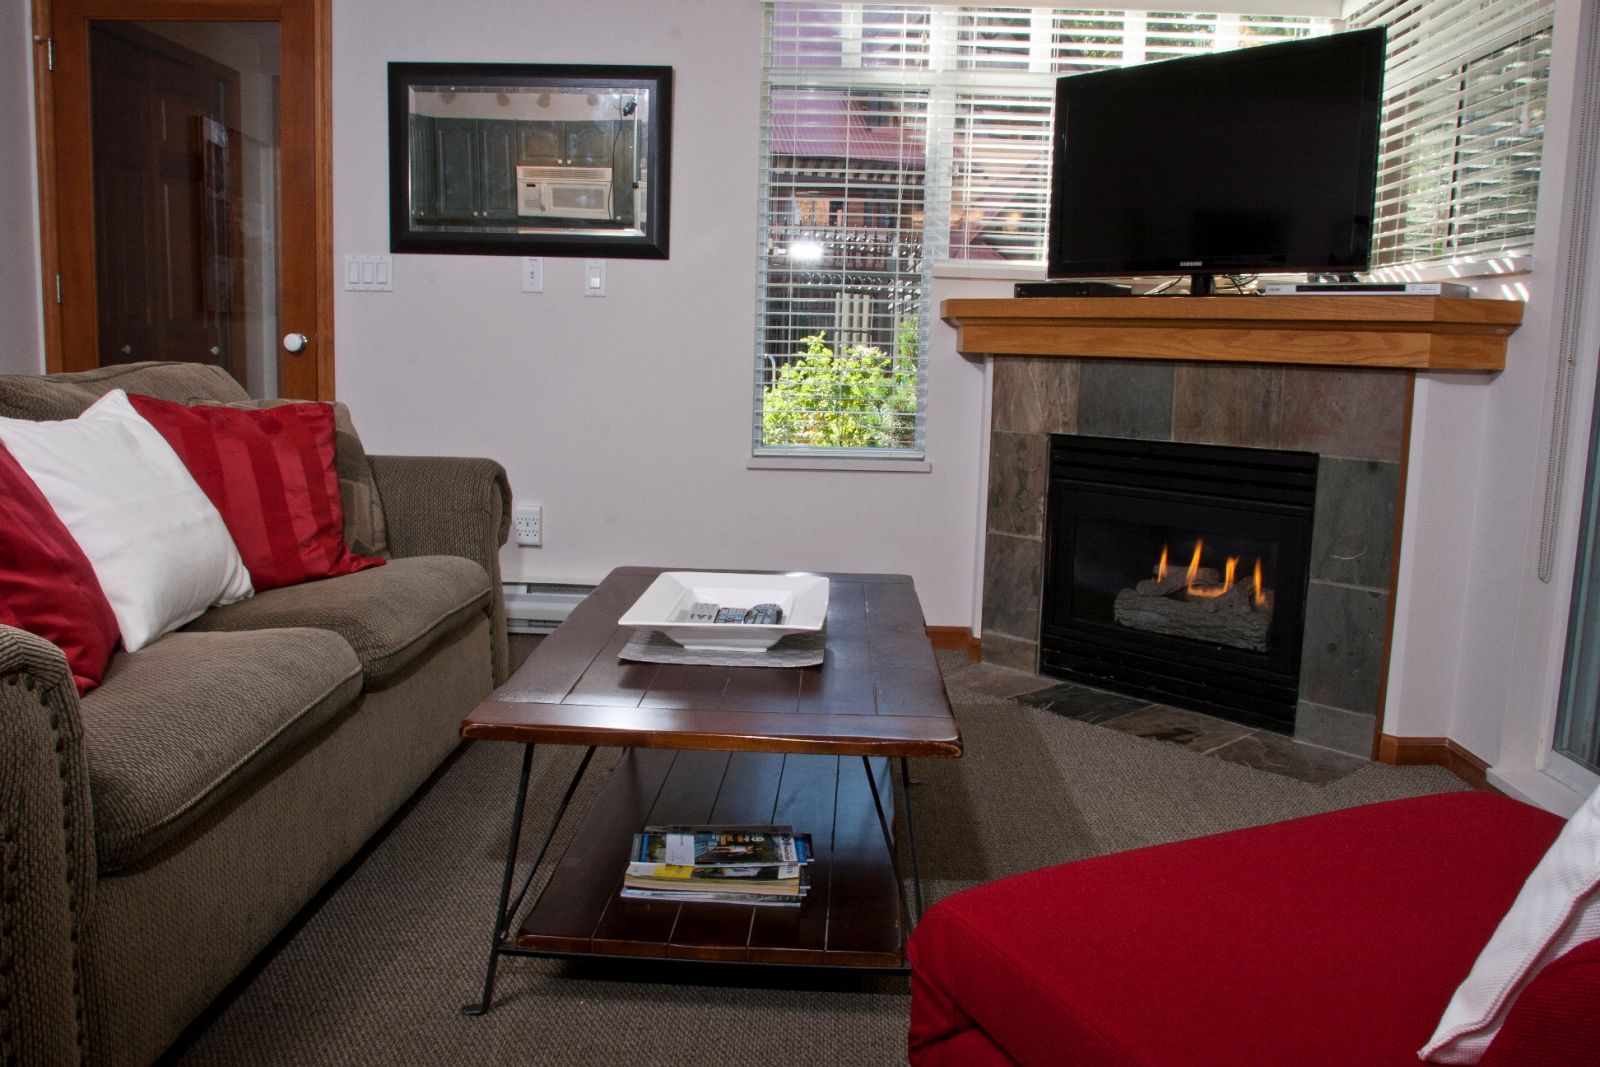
(1178,573)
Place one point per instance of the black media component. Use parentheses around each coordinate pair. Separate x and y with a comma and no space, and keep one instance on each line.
(1255,160)
(1071,289)
(1177,573)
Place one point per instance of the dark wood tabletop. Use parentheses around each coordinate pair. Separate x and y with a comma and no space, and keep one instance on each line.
(878,691)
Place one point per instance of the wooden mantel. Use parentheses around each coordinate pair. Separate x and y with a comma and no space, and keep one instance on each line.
(1414,332)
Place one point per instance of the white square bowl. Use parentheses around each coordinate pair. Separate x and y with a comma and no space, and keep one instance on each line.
(803,599)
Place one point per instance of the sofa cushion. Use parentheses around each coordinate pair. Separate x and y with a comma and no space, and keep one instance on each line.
(47,585)
(1334,939)
(365,530)
(160,551)
(65,396)
(173,728)
(389,614)
(270,473)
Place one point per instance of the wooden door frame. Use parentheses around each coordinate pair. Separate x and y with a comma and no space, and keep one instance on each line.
(311,376)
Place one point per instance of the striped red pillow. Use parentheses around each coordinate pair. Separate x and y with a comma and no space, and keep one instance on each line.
(47,584)
(270,472)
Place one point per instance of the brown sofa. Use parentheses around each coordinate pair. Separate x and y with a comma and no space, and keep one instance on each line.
(158,832)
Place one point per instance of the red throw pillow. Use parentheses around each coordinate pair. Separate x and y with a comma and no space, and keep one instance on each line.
(47,585)
(270,472)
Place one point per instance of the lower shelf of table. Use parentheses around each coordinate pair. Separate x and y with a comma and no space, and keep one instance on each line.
(850,918)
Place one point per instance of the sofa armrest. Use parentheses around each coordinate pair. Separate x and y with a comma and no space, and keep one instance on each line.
(450,506)
(47,858)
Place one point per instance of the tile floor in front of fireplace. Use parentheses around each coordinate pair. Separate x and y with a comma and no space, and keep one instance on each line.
(1260,749)
(1206,734)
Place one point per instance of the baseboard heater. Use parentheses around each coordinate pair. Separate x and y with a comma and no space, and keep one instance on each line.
(539,607)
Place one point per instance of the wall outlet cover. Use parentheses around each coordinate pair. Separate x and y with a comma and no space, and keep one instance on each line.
(527,524)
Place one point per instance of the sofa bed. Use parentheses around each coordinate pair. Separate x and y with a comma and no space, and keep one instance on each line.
(160,827)
(1459,924)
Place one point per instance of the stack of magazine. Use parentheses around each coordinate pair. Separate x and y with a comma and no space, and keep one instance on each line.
(765,865)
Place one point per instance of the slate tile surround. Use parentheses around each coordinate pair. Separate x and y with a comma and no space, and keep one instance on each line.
(1353,418)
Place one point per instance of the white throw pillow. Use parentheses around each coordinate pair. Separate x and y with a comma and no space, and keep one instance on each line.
(157,545)
(1558,909)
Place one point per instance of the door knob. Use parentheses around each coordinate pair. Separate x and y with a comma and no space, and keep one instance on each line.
(216,350)
(127,350)
(295,342)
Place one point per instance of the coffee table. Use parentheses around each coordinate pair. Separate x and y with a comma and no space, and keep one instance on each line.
(806,746)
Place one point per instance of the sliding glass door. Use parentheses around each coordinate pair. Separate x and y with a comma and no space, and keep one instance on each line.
(1577,734)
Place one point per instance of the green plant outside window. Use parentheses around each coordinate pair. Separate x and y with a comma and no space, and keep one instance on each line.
(860,398)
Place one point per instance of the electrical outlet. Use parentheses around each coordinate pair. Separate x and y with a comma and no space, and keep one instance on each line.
(528,524)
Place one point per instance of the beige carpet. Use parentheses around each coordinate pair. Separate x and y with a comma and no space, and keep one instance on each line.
(376,972)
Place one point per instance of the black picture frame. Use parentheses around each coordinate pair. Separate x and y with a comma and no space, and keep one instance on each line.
(510,159)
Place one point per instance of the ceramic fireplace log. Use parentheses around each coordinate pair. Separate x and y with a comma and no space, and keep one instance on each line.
(1229,619)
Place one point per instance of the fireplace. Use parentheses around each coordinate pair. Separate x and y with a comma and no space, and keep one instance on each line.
(1351,419)
(1178,573)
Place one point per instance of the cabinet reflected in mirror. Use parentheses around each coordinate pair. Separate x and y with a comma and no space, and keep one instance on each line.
(518,160)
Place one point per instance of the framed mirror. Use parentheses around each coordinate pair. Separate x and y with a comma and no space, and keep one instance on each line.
(529,160)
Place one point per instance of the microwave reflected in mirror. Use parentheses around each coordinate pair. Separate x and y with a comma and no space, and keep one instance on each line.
(501,159)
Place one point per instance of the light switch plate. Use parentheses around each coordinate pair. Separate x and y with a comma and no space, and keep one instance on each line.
(532,274)
(594,277)
(369,274)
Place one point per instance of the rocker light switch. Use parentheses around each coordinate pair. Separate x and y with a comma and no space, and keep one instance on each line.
(532,274)
(594,277)
(369,274)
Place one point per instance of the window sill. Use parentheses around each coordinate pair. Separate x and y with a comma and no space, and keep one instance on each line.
(838,463)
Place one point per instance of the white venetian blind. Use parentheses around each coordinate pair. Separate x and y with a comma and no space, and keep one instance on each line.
(843,275)
(1463,126)
(1002,77)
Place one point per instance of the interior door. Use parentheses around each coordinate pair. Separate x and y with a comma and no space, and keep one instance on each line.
(188,164)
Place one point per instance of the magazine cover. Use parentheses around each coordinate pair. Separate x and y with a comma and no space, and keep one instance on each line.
(721,846)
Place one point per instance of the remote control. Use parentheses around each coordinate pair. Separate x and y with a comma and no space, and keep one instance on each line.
(764,614)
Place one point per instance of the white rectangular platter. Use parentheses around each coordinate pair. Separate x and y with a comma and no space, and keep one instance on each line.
(803,599)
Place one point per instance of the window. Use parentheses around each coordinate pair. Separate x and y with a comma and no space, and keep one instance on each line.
(1578,717)
(1463,126)
(897,136)
(844,276)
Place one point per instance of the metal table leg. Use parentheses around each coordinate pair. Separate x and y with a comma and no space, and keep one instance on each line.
(507,908)
(912,918)
(911,837)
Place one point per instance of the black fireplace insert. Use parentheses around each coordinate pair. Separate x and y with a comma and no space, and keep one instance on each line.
(1177,572)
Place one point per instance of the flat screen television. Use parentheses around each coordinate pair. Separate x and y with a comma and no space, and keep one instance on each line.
(1258,160)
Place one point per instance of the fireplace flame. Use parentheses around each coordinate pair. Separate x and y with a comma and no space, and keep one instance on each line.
(1209,591)
(1204,588)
